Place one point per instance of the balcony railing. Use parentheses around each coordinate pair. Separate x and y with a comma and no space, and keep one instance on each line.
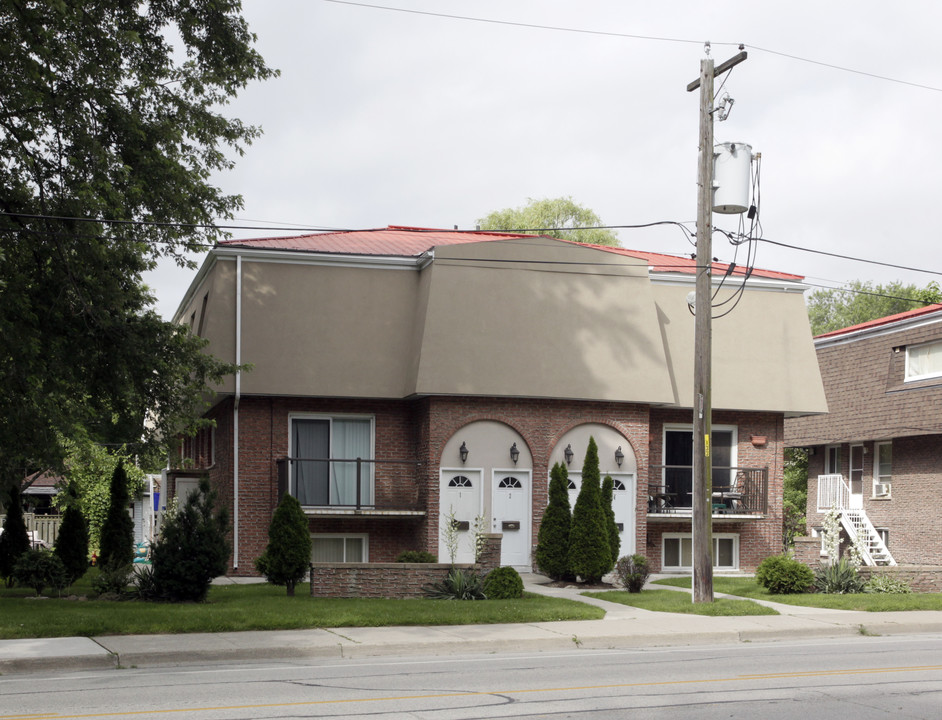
(354,484)
(736,490)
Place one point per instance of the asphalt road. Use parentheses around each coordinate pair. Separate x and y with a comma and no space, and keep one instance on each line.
(858,677)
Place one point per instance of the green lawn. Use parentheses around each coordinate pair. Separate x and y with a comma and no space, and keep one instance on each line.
(263,607)
(675,602)
(877,602)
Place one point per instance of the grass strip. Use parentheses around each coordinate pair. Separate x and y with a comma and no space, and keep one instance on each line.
(672,601)
(867,602)
(266,607)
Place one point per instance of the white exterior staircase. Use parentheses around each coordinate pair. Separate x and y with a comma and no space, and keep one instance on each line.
(834,493)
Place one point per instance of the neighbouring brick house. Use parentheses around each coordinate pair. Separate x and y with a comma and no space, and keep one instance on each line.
(401,375)
(877,455)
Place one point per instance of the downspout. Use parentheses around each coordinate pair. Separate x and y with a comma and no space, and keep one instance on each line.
(235,416)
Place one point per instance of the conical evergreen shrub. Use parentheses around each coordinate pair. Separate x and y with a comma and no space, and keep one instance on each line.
(117,534)
(552,548)
(72,540)
(590,551)
(608,495)
(288,556)
(14,541)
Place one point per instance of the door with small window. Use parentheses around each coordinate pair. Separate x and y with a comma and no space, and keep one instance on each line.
(460,506)
(510,516)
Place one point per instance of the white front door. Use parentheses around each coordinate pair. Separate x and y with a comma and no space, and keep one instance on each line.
(510,516)
(856,476)
(461,498)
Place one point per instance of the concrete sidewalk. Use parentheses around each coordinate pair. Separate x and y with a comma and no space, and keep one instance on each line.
(622,627)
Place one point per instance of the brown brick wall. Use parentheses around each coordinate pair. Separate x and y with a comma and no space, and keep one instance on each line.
(418,430)
(913,512)
(391,580)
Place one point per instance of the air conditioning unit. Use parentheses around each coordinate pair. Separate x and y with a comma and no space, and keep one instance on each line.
(881,489)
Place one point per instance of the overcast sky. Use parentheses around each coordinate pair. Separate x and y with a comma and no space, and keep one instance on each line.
(400,118)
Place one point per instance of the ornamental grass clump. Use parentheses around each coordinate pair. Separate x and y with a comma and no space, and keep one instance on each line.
(783,575)
(459,584)
(840,578)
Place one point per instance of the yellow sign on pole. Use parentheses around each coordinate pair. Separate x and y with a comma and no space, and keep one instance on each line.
(706,445)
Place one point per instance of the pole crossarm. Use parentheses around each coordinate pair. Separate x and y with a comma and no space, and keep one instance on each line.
(720,69)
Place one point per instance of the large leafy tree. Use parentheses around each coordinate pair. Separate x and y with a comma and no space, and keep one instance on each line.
(14,540)
(860,301)
(109,132)
(558,217)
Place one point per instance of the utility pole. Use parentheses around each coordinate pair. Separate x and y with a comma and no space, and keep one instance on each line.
(703,338)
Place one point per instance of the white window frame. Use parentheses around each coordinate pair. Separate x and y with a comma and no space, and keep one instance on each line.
(877,477)
(829,468)
(330,417)
(689,536)
(909,376)
(344,536)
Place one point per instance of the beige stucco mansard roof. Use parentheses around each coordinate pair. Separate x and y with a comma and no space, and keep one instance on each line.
(400,312)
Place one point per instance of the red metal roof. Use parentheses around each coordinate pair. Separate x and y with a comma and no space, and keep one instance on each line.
(402,241)
(888,320)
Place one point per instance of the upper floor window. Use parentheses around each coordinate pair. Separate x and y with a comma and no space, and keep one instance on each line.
(324,451)
(924,361)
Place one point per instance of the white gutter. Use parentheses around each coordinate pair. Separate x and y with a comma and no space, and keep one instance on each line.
(235,416)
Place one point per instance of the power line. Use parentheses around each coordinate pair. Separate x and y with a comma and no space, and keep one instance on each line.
(631,36)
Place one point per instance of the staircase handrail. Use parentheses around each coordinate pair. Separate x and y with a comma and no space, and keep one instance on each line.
(833,492)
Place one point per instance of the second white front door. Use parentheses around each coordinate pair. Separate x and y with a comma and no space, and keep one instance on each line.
(510,516)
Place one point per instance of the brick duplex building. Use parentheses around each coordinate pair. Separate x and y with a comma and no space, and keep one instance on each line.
(877,455)
(404,376)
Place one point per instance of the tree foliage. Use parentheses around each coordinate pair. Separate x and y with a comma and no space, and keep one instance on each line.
(860,301)
(72,540)
(192,548)
(552,548)
(89,468)
(590,550)
(109,131)
(117,533)
(14,540)
(558,217)
(288,555)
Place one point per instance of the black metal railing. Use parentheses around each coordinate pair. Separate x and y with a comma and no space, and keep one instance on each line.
(354,483)
(736,490)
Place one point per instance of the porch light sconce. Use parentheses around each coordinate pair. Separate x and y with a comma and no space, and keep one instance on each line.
(569,453)
(619,456)
(759,440)
(463,452)
(514,453)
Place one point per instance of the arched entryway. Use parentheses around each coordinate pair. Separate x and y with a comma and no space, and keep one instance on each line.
(616,459)
(496,468)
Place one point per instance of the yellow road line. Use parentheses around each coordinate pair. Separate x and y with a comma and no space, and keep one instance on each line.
(434,696)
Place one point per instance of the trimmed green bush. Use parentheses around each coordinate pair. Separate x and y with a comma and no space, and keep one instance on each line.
(841,578)
(14,540)
(503,583)
(783,575)
(112,582)
(117,534)
(459,584)
(72,540)
(192,549)
(632,572)
(288,556)
(40,569)
(416,556)
(608,496)
(590,551)
(552,548)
